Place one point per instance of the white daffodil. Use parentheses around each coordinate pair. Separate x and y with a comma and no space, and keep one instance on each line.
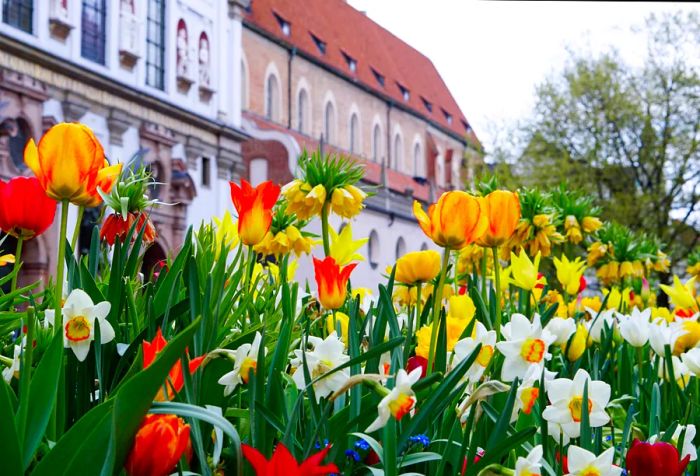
(584,463)
(527,393)
(661,334)
(245,359)
(13,370)
(567,405)
(525,346)
(688,445)
(680,371)
(531,465)
(598,322)
(464,348)
(326,355)
(557,432)
(561,328)
(691,359)
(79,315)
(634,328)
(399,401)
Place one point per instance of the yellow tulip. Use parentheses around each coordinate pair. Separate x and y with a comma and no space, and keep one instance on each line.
(577,343)
(502,210)
(454,221)
(462,308)
(71,165)
(454,329)
(681,295)
(524,271)
(569,273)
(226,232)
(338,320)
(343,247)
(417,267)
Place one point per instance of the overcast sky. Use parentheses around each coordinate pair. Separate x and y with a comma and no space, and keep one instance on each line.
(492,54)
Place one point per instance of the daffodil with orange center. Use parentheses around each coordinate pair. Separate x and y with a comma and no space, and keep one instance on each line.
(80,315)
(399,401)
(454,221)
(526,345)
(254,207)
(332,281)
(70,164)
(245,361)
(464,348)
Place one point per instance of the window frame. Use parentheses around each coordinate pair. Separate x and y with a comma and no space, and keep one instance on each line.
(21,7)
(158,44)
(93,45)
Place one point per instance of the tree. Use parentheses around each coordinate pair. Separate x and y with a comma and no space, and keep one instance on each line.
(628,136)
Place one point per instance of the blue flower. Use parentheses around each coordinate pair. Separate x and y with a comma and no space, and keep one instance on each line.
(362,445)
(318,444)
(352,454)
(420,439)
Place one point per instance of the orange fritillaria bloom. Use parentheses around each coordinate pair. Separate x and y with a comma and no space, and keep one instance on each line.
(115,226)
(501,209)
(254,207)
(454,221)
(283,463)
(25,210)
(159,444)
(175,380)
(70,164)
(332,281)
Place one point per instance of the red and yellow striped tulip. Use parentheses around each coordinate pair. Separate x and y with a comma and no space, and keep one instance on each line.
(454,221)
(254,207)
(332,281)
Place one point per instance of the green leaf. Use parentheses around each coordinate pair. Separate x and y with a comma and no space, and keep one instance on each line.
(10,454)
(585,439)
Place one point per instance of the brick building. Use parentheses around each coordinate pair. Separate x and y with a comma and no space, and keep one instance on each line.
(326,74)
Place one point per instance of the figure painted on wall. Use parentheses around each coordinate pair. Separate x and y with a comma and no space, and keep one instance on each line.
(127,6)
(204,77)
(181,49)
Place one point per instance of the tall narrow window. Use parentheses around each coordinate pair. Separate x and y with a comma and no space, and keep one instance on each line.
(19,13)
(354,134)
(302,105)
(206,172)
(398,152)
(244,86)
(418,161)
(329,123)
(93,30)
(376,143)
(271,98)
(155,44)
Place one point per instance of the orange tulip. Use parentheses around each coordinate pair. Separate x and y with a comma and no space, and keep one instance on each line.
(254,207)
(502,210)
(70,164)
(175,380)
(158,446)
(332,281)
(454,221)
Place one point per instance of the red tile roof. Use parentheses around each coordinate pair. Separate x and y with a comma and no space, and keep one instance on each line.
(348,32)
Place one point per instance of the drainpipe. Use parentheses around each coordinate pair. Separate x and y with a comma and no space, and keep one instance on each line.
(292,54)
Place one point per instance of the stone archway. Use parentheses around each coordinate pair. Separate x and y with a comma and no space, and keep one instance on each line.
(153,259)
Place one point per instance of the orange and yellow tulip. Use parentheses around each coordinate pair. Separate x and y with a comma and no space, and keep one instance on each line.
(502,210)
(417,267)
(454,221)
(70,164)
(254,207)
(158,446)
(332,281)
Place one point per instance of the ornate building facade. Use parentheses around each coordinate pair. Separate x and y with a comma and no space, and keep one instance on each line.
(154,76)
(326,75)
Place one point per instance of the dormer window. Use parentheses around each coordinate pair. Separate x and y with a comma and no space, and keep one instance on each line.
(285,26)
(428,105)
(405,93)
(378,76)
(352,62)
(466,125)
(320,44)
(448,116)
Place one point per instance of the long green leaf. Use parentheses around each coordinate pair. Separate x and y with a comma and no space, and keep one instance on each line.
(9,442)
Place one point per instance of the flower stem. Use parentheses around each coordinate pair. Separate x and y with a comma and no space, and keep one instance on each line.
(411,319)
(437,307)
(497,273)
(324,228)
(76,230)
(26,362)
(15,268)
(60,265)
(484,258)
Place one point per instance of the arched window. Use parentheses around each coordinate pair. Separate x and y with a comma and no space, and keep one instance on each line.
(398,152)
(354,134)
(400,247)
(18,133)
(244,86)
(258,171)
(424,246)
(272,99)
(302,111)
(418,161)
(373,252)
(376,143)
(329,123)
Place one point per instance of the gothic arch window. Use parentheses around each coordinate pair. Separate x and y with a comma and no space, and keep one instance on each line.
(272,97)
(376,143)
(329,123)
(398,151)
(418,161)
(244,85)
(424,246)
(303,111)
(19,14)
(354,134)
(400,247)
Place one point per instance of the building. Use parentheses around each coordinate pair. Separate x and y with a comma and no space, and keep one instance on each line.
(158,75)
(327,75)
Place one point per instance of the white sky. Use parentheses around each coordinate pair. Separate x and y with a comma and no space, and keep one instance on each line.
(492,54)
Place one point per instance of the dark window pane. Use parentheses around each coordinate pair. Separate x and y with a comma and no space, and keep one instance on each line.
(93,30)
(155,41)
(18,13)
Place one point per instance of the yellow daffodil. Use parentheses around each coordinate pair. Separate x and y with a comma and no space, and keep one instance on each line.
(303,199)
(226,232)
(338,320)
(417,267)
(524,271)
(681,295)
(348,201)
(343,247)
(569,273)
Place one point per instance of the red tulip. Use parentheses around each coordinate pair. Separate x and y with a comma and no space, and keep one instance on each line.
(25,210)
(158,446)
(659,459)
(254,207)
(283,463)
(115,226)
(415,362)
(175,380)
